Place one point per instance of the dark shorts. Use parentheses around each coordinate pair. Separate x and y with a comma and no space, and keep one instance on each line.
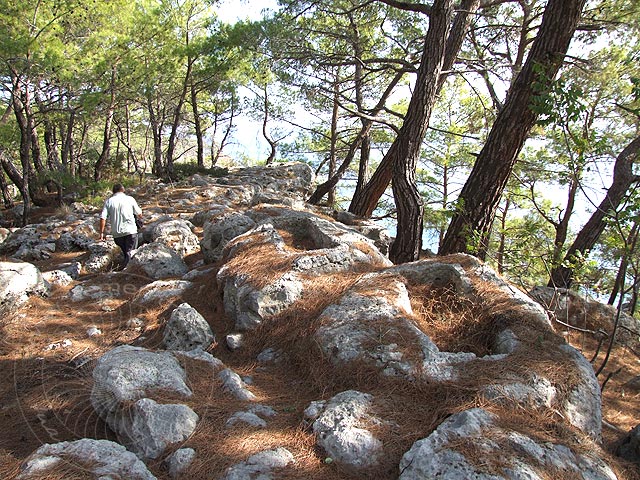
(126,244)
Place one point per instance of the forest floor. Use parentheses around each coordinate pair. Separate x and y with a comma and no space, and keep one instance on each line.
(46,360)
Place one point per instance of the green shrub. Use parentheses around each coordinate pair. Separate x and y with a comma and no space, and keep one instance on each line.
(185,170)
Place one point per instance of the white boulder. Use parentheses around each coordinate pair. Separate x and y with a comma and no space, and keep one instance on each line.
(187,330)
(106,460)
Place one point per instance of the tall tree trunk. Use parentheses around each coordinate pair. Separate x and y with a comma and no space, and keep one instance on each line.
(77,156)
(365,144)
(215,156)
(25,186)
(68,159)
(106,136)
(51,144)
(623,179)
(365,200)
(405,150)
(124,138)
(363,163)
(562,228)
(177,115)
(36,154)
(333,147)
(197,122)
(482,191)
(362,142)
(155,122)
(14,175)
(50,139)
(127,139)
(445,200)
(629,249)
(273,145)
(4,187)
(7,167)
(500,254)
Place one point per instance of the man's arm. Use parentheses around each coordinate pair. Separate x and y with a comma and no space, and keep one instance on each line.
(136,208)
(103,220)
(103,224)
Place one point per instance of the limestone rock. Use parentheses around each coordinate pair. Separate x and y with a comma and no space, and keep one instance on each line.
(232,383)
(526,305)
(248,418)
(208,213)
(25,238)
(277,199)
(148,427)
(336,424)
(333,249)
(123,379)
(443,275)
(534,392)
(57,277)
(93,292)
(218,232)
(506,454)
(230,192)
(18,281)
(179,461)
(583,405)
(4,233)
(260,466)
(73,269)
(79,237)
(105,458)
(234,341)
(161,291)
(198,354)
(187,330)
(250,306)
(178,235)
(129,373)
(157,261)
(101,255)
(580,312)
(254,416)
(269,355)
(370,305)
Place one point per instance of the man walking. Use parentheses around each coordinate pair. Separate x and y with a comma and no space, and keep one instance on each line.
(121,209)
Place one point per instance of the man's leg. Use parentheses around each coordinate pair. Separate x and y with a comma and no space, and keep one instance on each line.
(121,242)
(130,243)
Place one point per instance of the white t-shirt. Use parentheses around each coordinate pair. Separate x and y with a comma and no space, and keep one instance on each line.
(120,208)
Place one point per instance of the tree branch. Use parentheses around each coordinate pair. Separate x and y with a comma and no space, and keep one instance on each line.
(409,7)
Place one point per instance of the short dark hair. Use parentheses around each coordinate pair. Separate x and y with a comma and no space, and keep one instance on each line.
(118,187)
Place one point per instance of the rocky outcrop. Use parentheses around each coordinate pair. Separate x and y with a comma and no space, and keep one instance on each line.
(102,458)
(260,465)
(18,281)
(124,378)
(177,235)
(338,423)
(220,231)
(251,296)
(161,291)
(379,302)
(472,444)
(157,261)
(569,308)
(313,292)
